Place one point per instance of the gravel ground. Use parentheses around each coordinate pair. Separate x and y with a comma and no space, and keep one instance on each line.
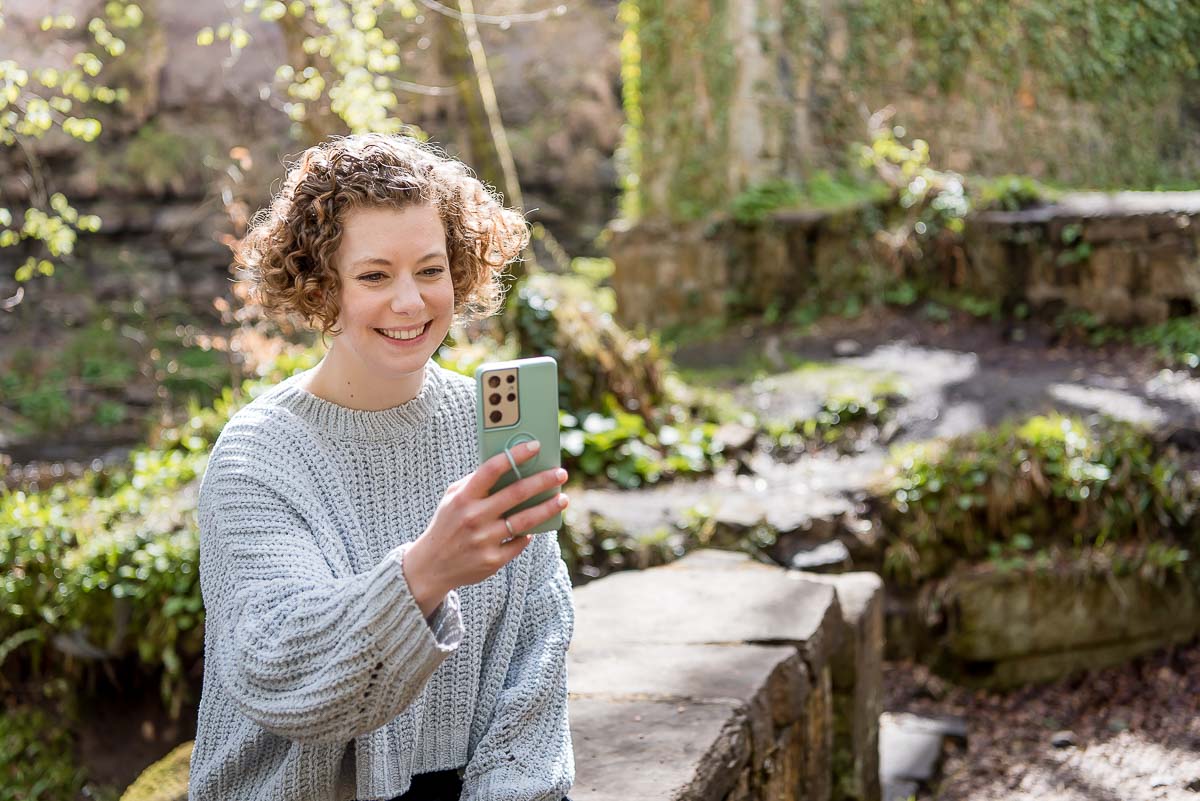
(1130,733)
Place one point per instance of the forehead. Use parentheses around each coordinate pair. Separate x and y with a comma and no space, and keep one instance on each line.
(410,231)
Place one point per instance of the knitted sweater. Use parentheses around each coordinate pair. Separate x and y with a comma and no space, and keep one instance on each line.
(315,648)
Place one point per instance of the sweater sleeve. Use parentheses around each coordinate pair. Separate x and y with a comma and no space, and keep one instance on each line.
(302,653)
(526,753)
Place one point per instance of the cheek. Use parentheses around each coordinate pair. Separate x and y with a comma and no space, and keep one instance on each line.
(444,295)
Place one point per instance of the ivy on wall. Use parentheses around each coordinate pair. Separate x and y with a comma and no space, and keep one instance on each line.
(1089,93)
(678,62)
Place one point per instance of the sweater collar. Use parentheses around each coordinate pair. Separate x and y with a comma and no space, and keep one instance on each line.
(371,426)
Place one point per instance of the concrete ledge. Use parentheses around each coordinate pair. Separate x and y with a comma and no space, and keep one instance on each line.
(713,678)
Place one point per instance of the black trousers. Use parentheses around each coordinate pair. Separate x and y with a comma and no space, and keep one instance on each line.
(442,785)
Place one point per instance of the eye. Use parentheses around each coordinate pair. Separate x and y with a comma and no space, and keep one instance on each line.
(376,276)
(432,271)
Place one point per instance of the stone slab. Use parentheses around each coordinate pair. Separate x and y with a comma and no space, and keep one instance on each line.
(682,604)
(641,750)
(672,672)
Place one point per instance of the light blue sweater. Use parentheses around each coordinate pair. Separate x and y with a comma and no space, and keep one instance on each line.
(313,641)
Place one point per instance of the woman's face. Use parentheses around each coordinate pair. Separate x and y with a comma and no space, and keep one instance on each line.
(397,298)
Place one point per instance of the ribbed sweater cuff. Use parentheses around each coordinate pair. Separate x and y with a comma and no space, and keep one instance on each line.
(396,620)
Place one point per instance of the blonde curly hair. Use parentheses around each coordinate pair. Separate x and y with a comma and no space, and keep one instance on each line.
(288,254)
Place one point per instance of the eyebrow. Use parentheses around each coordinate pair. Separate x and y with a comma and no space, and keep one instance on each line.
(379,260)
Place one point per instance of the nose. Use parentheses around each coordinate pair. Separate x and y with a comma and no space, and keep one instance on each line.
(406,300)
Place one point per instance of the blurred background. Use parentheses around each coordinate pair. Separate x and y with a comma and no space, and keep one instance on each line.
(909,288)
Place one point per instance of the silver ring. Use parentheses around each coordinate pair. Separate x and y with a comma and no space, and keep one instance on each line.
(508,526)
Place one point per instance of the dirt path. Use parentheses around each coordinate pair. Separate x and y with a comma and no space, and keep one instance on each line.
(1130,733)
(966,374)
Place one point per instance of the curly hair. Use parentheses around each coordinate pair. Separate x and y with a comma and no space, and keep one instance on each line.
(288,254)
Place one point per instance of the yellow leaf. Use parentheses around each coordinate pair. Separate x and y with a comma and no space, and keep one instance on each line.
(273,11)
(25,271)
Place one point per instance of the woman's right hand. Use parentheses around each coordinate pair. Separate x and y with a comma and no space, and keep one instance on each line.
(464,543)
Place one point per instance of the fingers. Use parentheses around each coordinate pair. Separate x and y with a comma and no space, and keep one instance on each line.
(528,518)
(489,472)
(523,490)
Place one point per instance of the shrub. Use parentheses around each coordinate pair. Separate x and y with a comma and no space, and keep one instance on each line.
(1047,483)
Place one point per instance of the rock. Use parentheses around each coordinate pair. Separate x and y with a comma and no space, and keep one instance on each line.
(1063,739)
(911,747)
(738,512)
(847,347)
(735,437)
(828,556)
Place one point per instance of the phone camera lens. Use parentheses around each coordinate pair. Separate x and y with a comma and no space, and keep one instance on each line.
(494,398)
(494,381)
(495,416)
(512,396)
(512,378)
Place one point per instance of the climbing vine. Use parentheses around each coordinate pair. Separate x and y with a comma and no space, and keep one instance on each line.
(1090,89)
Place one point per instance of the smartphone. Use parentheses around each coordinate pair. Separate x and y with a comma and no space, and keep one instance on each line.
(516,402)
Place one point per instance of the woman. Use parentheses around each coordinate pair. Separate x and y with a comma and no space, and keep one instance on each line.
(375,627)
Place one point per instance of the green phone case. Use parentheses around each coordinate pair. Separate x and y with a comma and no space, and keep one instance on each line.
(509,412)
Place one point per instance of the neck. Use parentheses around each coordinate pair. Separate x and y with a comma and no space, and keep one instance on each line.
(340,378)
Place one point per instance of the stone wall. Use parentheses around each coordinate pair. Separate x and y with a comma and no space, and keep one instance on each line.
(681,273)
(1130,257)
(1011,628)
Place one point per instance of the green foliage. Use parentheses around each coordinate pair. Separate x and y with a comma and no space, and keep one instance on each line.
(1177,341)
(1087,49)
(841,422)
(821,191)
(628,158)
(350,59)
(1047,482)
(110,561)
(157,159)
(36,758)
(674,81)
(569,318)
(1009,193)
(87,376)
(618,447)
(936,199)
(37,100)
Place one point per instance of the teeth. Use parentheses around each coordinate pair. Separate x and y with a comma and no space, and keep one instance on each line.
(399,333)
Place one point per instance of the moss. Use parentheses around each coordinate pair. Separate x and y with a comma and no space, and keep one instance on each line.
(165,780)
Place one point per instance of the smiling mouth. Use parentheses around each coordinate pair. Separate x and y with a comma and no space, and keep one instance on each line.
(403,334)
